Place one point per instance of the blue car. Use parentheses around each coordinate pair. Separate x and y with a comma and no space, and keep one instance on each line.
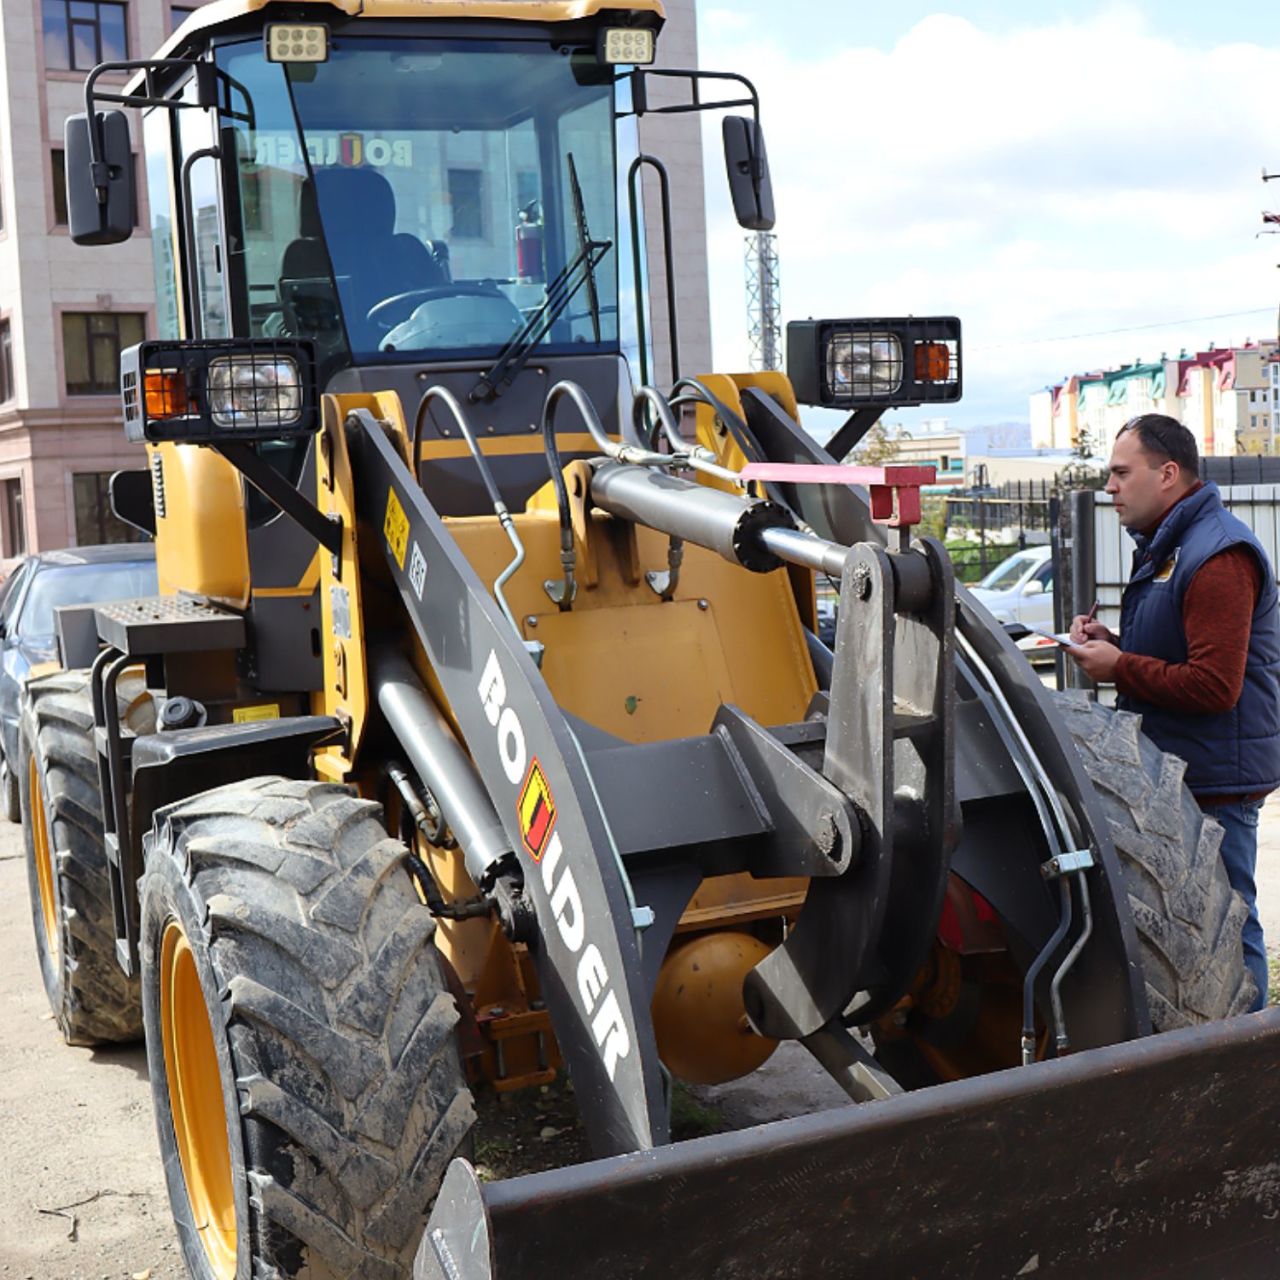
(42,582)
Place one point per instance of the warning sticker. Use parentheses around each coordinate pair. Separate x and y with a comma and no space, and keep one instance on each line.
(263,711)
(537,810)
(395,527)
(417,570)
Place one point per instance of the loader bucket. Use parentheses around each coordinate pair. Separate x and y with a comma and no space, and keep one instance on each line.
(1156,1157)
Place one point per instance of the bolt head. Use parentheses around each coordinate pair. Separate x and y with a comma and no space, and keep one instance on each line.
(827,836)
(704,605)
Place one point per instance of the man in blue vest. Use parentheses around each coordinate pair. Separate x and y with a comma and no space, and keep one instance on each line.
(1198,655)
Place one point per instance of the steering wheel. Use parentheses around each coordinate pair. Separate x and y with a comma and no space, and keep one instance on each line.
(390,311)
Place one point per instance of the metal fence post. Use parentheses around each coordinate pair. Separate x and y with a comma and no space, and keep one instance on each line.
(1084,572)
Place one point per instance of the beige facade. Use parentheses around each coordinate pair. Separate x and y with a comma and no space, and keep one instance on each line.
(66,310)
(677,141)
(1228,397)
(943,450)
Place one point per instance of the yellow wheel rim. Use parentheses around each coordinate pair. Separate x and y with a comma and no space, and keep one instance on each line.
(43,854)
(195,1098)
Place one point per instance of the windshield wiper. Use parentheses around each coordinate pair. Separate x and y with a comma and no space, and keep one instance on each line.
(560,292)
(584,239)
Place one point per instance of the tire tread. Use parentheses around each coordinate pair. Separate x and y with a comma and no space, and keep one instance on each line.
(1187,916)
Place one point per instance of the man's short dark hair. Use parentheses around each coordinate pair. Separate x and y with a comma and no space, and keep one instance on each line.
(1167,439)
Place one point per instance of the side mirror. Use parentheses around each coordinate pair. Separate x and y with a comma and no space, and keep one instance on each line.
(747,164)
(100,201)
(1033,588)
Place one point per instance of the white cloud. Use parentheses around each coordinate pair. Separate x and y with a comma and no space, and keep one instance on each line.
(1046,181)
(720,22)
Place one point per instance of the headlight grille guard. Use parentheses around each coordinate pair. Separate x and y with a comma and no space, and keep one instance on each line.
(182,390)
(918,357)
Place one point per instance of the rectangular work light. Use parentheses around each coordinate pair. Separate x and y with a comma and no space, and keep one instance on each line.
(629,46)
(296,42)
(215,391)
(850,364)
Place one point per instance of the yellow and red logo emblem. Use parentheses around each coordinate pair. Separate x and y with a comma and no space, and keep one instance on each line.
(537,809)
(351,149)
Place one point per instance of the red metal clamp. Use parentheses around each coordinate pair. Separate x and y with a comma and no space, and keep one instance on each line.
(894,490)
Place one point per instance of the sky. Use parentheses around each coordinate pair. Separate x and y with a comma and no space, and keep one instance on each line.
(1080,184)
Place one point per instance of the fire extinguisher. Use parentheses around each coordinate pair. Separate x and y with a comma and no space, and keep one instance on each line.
(529,244)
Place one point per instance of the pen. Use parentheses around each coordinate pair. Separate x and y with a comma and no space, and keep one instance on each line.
(1089,617)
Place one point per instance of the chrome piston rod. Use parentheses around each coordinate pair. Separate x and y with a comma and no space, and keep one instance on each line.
(442,764)
(807,549)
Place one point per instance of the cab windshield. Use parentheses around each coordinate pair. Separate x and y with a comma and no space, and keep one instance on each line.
(424,198)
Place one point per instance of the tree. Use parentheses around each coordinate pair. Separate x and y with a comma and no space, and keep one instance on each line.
(879,446)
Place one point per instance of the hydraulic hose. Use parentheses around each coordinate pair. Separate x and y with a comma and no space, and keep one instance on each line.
(450,401)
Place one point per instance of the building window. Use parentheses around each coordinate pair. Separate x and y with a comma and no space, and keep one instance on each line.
(15,521)
(91,346)
(8,388)
(95,521)
(58,167)
(78,34)
(178,14)
(464,198)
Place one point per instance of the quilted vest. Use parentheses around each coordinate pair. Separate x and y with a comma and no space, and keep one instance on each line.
(1234,752)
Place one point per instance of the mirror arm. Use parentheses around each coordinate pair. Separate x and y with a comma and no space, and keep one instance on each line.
(640,93)
(207,78)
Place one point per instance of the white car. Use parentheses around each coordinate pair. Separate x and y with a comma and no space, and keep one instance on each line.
(1020,589)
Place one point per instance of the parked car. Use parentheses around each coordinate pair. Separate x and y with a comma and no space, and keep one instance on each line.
(43,581)
(827,617)
(1020,590)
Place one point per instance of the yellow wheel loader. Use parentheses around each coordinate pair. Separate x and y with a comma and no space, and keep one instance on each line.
(481,730)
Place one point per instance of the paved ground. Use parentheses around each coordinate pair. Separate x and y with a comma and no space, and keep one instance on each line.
(1269,884)
(81,1191)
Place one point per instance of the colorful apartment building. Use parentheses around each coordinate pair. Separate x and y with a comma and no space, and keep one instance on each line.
(1229,398)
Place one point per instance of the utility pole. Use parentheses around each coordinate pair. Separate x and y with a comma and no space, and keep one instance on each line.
(764,301)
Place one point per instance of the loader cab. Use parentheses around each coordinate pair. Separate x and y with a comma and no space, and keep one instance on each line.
(423,201)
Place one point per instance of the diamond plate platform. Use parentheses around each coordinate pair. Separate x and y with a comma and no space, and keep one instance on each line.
(168,624)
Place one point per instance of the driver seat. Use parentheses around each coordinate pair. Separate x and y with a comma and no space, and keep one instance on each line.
(372,262)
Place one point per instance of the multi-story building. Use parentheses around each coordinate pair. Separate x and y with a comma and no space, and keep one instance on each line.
(67,311)
(1225,396)
(1273,385)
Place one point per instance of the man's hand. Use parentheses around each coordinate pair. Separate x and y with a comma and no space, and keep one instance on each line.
(1096,658)
(1085,628)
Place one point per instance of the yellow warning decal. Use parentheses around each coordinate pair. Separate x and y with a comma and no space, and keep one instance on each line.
(396,527)
(537,810)
(264,711)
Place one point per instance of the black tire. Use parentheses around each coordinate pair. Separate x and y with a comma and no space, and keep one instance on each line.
(1187,916)
(91,998)
(342,1092)
(9,795)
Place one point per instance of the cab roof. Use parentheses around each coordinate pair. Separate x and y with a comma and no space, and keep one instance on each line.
(222,12)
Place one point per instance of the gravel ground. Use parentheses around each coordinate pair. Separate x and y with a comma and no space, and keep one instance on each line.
(82,1193)
(82,1196)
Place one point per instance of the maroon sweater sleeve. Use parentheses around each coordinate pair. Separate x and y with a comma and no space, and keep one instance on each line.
(1217,613)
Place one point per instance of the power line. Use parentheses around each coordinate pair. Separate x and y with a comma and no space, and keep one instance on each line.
(1133,328)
